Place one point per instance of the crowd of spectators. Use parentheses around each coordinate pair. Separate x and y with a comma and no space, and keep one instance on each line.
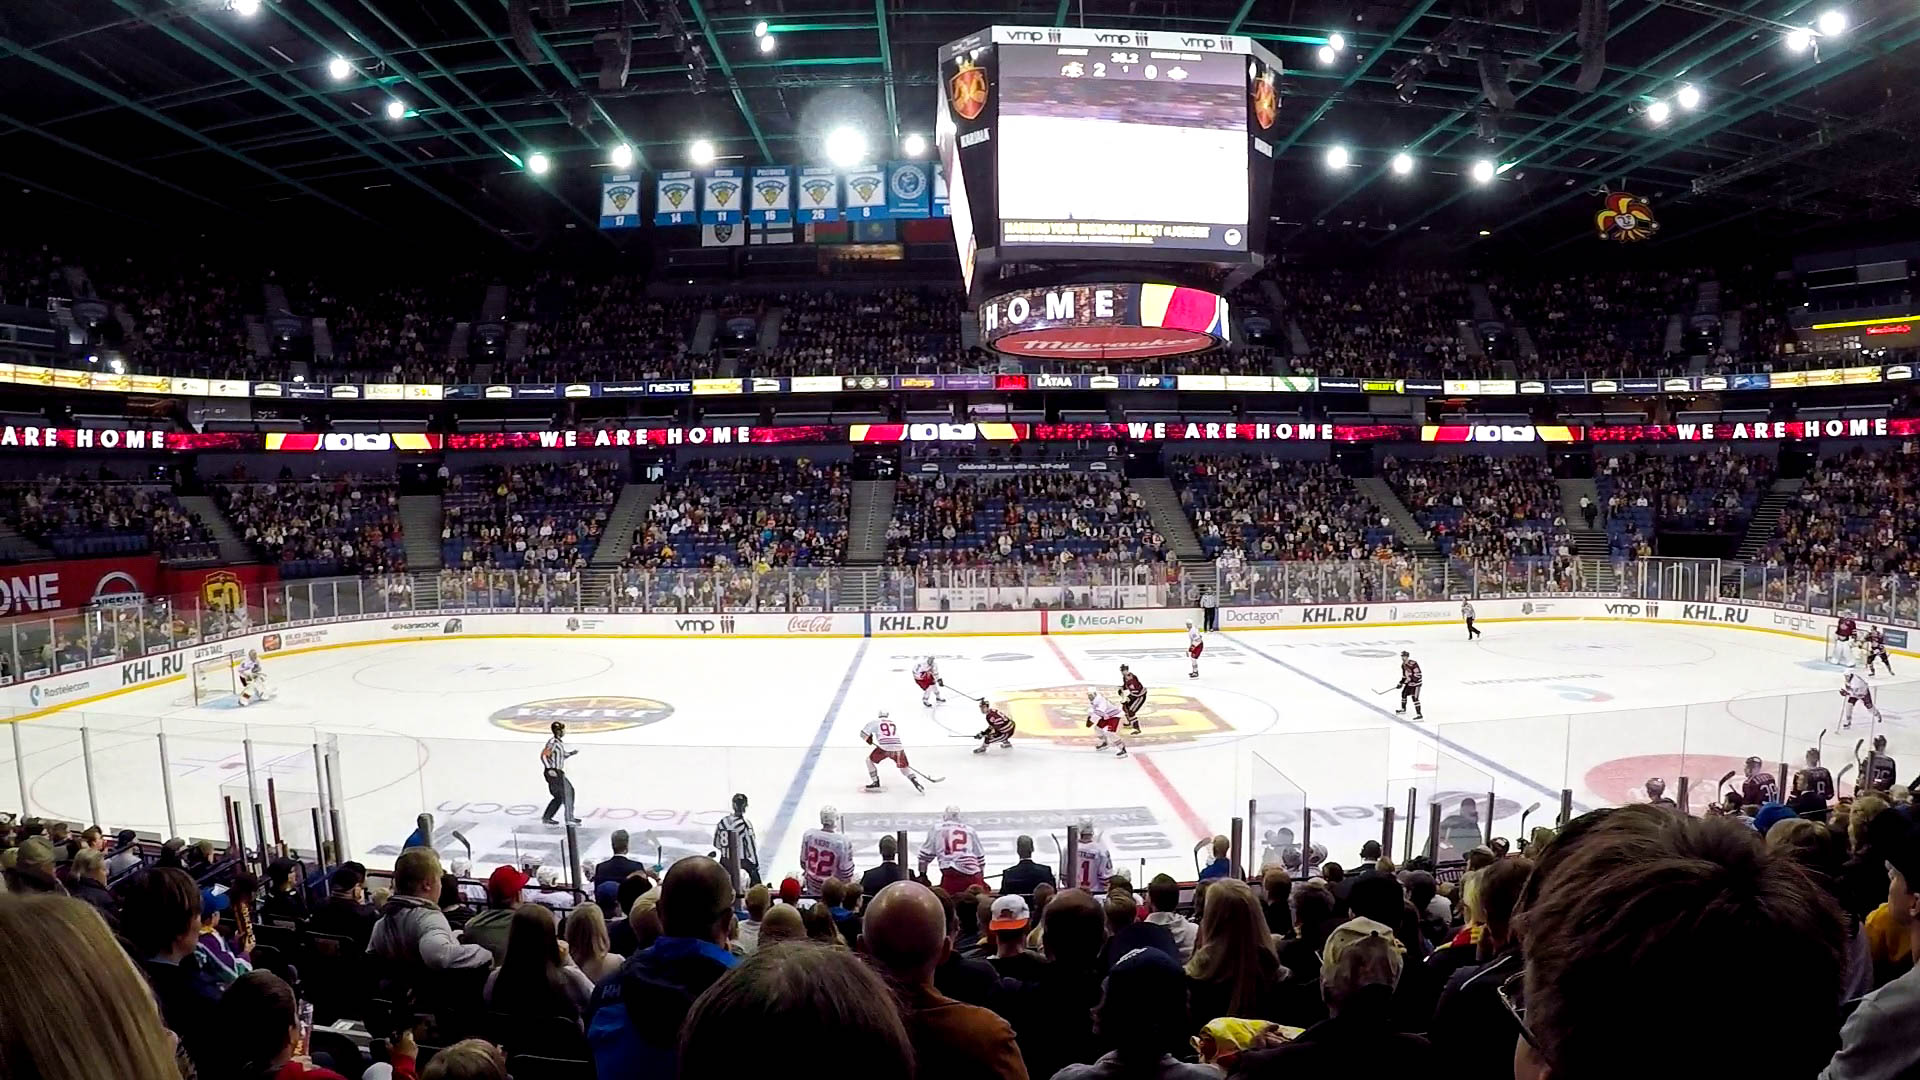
(1056,520)
(1484,507)
(582,329)
(1598,322)
(189,319)
(893,329)
(77,519)
(1645,493)
(1269,509)
(397,332)
(29,274)
(348,524)
(748,514)
(549,514)
(1854,515)
(1393,324)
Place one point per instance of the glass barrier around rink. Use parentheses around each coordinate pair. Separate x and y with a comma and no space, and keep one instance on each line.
(1277,809)
(1342,773)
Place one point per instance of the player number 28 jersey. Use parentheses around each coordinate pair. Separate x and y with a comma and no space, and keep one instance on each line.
(883,734)
(825,855)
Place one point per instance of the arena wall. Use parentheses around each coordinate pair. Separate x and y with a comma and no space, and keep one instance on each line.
(53,693)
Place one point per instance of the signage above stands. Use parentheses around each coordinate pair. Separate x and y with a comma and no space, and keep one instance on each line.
(603,438)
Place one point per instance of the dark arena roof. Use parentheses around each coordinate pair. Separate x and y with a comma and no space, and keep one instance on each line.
(1751,122)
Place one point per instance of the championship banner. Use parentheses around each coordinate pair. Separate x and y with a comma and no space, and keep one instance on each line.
(818,196)
(940,206)
(866,193)
(908,190)
(723,235)
(770,195)
(674,204)
(721,197)
(619,202)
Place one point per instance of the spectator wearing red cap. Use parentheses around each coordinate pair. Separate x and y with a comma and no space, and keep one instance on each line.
(491,927)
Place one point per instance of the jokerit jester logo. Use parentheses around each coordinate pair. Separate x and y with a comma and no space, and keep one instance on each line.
(587,715)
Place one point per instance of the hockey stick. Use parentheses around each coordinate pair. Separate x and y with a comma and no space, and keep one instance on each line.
(464,842)
(1722,786)
(1388,690)
(924,776)
(1857,747)
(1523,820)
(957,690)
(1838,780)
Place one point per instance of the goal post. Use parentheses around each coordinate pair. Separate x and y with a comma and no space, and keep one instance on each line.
(215,678)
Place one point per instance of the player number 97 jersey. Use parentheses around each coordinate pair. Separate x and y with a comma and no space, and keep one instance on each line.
(883,734)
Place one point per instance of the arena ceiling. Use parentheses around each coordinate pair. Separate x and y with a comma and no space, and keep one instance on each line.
(169,112)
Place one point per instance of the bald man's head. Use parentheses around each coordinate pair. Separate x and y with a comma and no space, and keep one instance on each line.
(696,898)
(905,930)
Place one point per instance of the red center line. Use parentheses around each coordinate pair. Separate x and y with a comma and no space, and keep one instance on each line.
(1174,799)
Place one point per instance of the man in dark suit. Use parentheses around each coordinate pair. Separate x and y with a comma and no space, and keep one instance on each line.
(617,866)
(1022,877)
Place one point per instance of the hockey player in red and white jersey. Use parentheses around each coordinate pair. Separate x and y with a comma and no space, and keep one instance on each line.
(825,853)
(956,848)
(883,735)
(926,676)
(999,728)
(1856,692)
(1105,715)
(1092,865)
(1195,646)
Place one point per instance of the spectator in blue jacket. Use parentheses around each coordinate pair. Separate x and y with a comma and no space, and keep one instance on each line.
(637,1014)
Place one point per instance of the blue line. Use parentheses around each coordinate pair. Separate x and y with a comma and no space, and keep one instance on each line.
(1550,792)
(790,804)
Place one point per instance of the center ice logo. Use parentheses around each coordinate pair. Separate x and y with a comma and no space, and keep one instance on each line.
(1060,713)
(582,715)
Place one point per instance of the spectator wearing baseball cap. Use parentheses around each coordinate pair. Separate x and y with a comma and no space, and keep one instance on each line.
(212,951)
(490,928)
(1142,1015)
(1878,1040)
(1008,923)
(1359,969)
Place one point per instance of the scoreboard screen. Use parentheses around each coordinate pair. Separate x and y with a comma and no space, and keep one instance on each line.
(1123,147)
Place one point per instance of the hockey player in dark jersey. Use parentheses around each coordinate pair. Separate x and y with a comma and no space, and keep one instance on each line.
(1657,794)
(1759,787)
(999,729)
(1814,782)
(1410,680)
(1133,696)
(1876,648)
(1877,772)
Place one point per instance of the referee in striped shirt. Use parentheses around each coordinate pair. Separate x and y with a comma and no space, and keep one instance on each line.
(553,766)
(735,834)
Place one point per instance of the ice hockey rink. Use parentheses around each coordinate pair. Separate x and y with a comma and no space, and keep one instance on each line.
(669,729)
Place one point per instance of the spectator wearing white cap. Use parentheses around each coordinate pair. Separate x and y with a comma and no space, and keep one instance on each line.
(1008,924)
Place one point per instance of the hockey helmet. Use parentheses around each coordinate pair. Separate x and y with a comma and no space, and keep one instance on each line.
(828,815)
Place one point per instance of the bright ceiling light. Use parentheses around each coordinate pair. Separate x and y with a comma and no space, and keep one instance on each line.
(700,152)
(622,156)
(846,146)
(1336,42)
(1832,22)
(338,68)
(538,163)
(1482,171)
(1402,163)
(915,144)
(246,8)
(766,44)
(1688,96)
(1658,111)
(396,109)
(760,29)
(1337,157)
(1327,54)
(1800,40)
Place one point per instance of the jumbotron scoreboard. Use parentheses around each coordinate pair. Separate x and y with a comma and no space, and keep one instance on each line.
(1081,150)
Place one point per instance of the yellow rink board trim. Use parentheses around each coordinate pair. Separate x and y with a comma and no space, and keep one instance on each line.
(116,692)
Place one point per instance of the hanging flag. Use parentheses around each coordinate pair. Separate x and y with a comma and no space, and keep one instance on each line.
(722,198)
(866,193)
(770,195)
(908,190)
(674,202)
(940,207)
(723,235)
(818,195)
(769,234)
(1625,218)
(619,202)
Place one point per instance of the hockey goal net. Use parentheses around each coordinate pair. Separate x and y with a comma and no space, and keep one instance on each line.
(213,678)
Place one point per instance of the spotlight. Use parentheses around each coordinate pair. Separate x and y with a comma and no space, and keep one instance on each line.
(538,163)
(766,44)
(1688,96)
(396,109)
(1482,171)
(1327,55)
(246,9)
(1486,232)
(760,29)
(915,144)
(1337,42)
(1800,40)
(338,68)
(622,156)
(1832,22)
(1402,164)
(700,152)
(117,366)
(1658,112)
(1337,157)
(846,146)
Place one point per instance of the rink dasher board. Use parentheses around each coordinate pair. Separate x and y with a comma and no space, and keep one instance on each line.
(56,692)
